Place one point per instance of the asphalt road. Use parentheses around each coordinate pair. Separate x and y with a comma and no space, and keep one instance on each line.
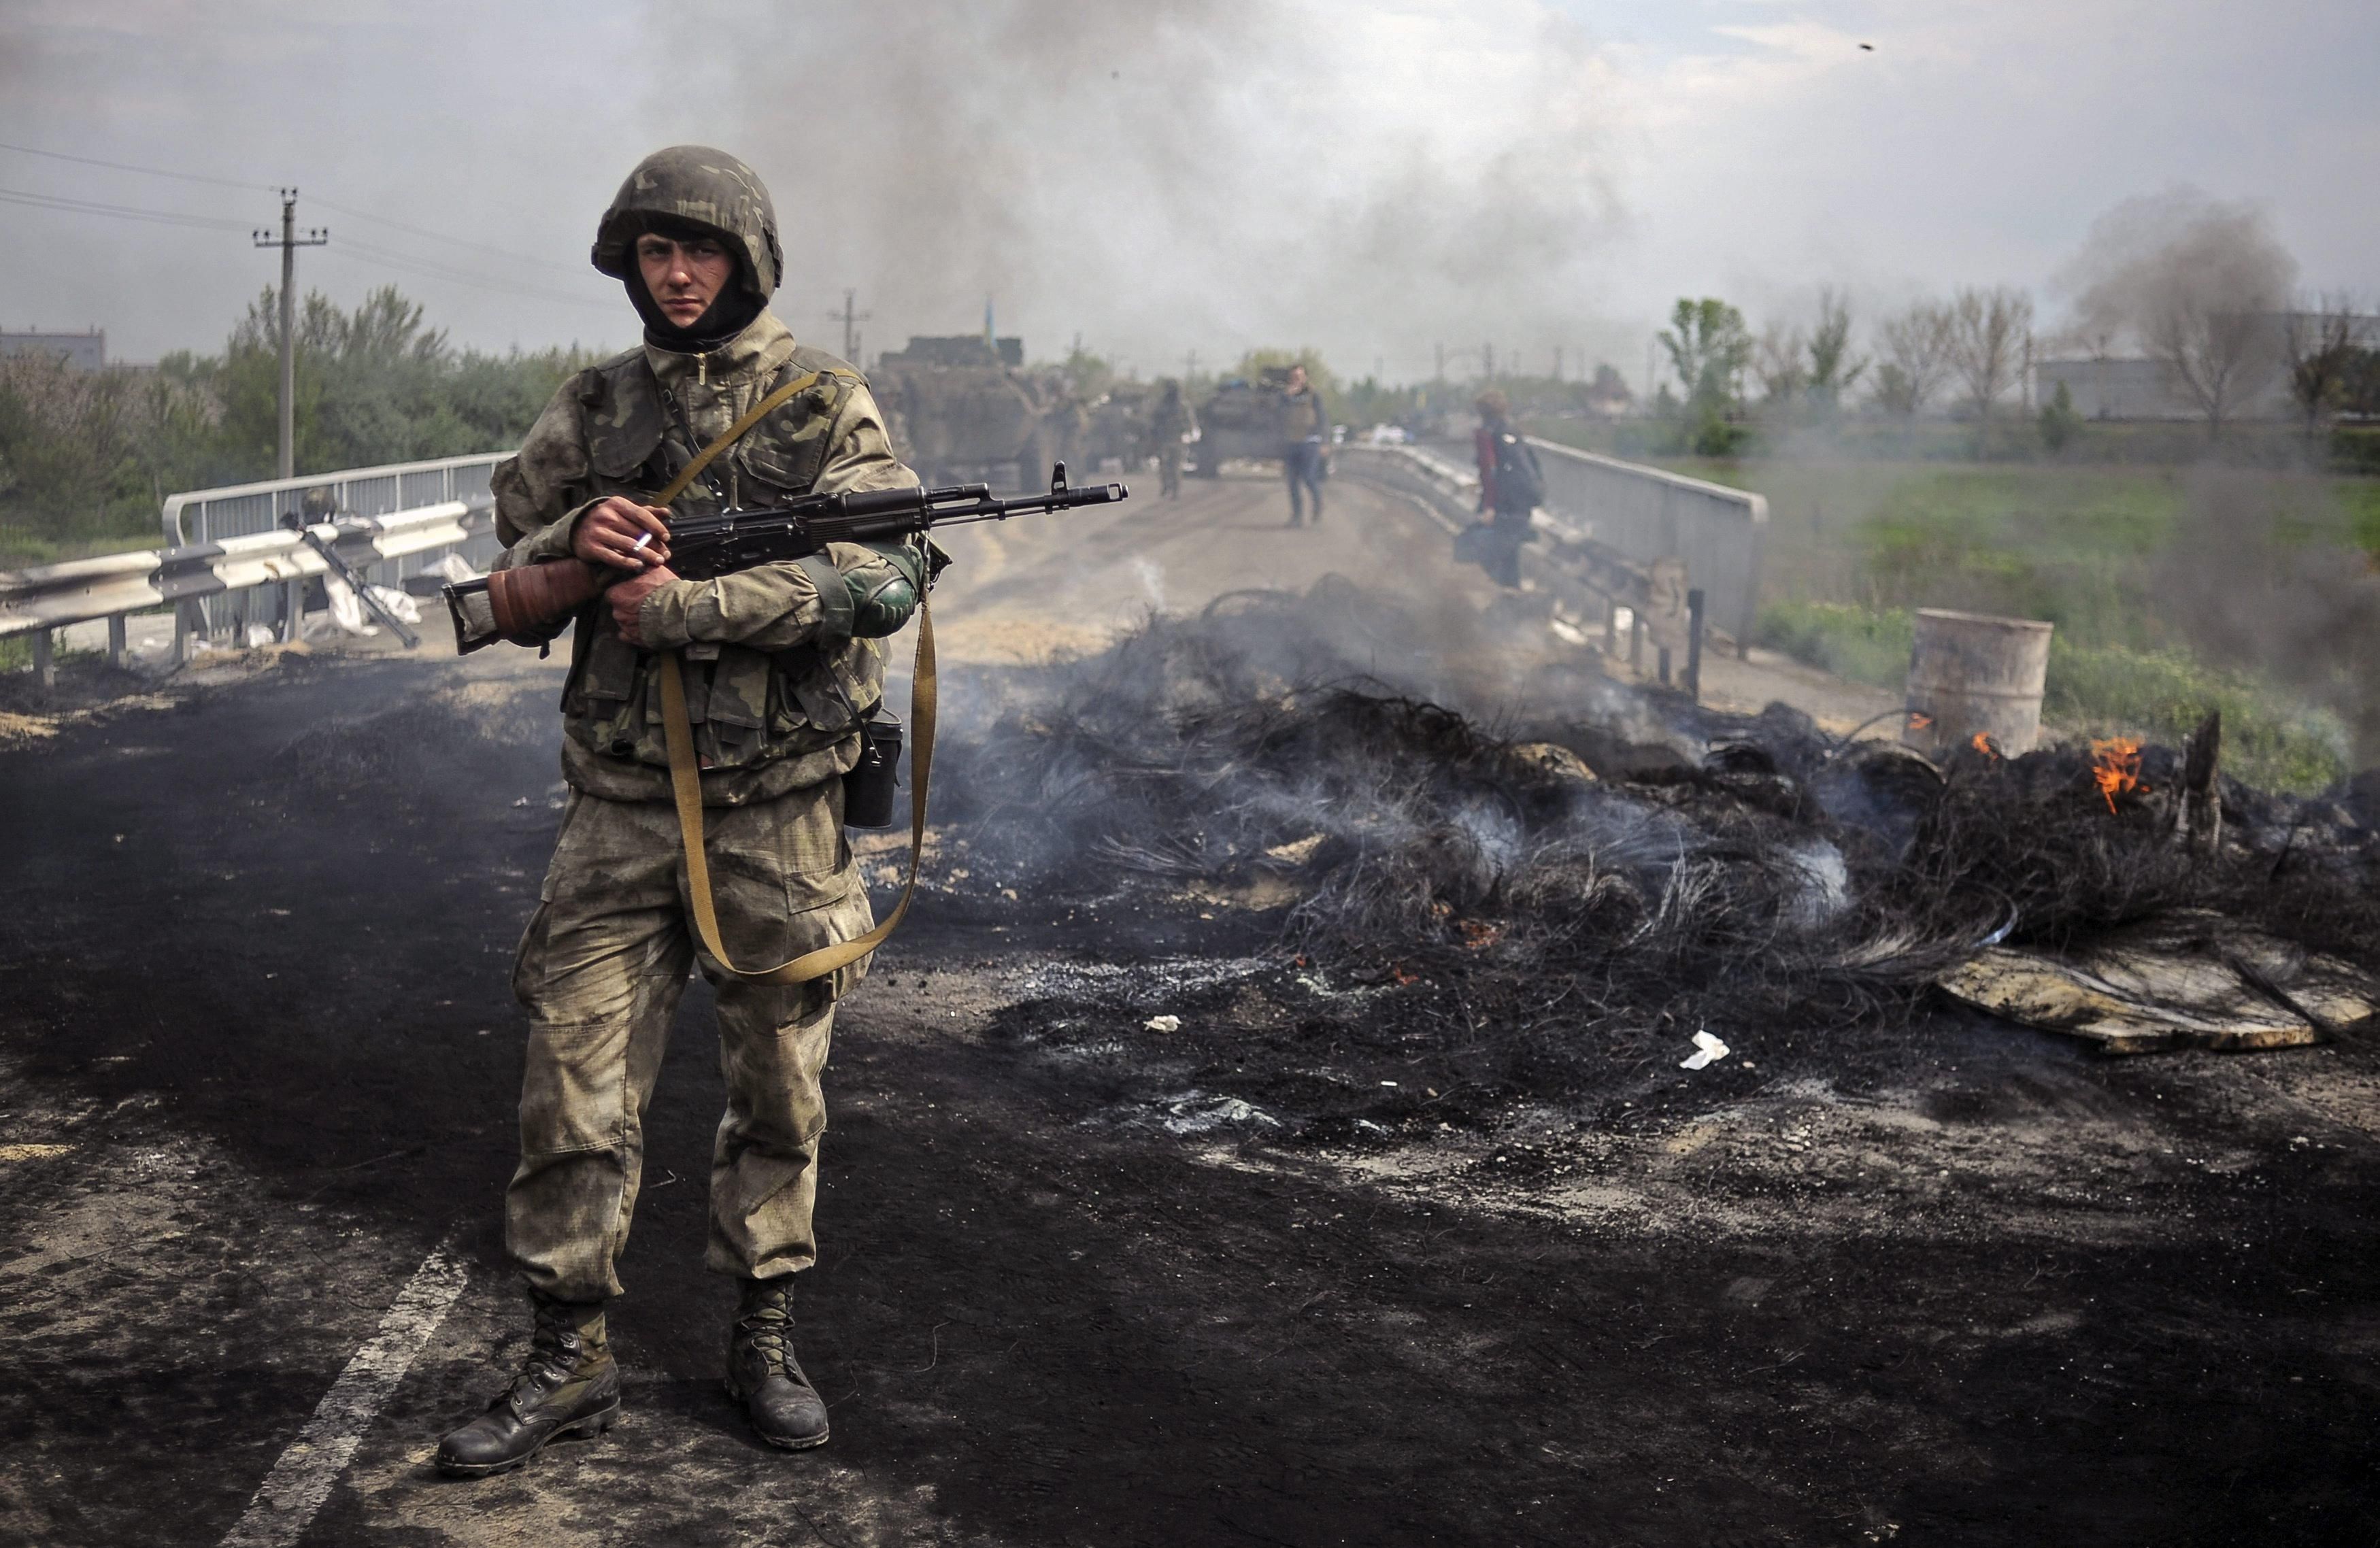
(257,1067)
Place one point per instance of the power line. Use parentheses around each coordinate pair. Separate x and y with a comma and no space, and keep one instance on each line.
(118,211)
(327,204)
(127,167)
(409,264)
(457,241)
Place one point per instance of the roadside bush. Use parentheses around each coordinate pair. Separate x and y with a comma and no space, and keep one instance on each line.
(86,457)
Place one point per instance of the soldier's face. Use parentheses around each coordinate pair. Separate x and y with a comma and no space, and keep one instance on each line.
(1297,378)
(683,278)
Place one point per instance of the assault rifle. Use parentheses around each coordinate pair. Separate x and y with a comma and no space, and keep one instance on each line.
(524,604)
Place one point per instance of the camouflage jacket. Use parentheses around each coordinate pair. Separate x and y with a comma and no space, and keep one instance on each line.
(779,672)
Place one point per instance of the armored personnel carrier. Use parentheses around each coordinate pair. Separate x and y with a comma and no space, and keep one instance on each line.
(966,410)
(1242,420)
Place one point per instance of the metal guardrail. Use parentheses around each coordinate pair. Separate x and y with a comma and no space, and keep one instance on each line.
(1569,557)
(212,516)
(1649,514)
(48,597)
(246,510)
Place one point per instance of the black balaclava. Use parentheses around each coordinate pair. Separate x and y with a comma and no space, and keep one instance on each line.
(731,311)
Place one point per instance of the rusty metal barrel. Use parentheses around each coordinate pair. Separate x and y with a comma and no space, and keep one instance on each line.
(1972,675)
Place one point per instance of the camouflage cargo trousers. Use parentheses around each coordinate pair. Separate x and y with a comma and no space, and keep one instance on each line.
(601,969)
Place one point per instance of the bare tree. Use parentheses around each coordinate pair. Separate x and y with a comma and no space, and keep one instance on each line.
(1988,329)
(1917,356)
(2198,282)
(2318,347)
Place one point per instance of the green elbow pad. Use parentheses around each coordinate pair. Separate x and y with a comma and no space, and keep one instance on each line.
(883,599)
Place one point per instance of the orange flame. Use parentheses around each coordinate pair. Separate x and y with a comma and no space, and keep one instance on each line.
(1982,744)
(1920,721)
(2116,767)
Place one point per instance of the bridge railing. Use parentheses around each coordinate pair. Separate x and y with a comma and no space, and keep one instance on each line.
(1624,512)
(231,561)
(244,510)
(1649,513)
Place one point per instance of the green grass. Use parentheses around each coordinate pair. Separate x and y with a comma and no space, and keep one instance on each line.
(2270,739)
(21,550)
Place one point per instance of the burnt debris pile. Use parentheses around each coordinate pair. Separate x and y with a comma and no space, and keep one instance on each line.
(1581,852)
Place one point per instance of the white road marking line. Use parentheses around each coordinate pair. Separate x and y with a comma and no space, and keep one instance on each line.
(301,1479)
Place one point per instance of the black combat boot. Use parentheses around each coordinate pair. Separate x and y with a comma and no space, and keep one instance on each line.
(762,1373)
(569,1385)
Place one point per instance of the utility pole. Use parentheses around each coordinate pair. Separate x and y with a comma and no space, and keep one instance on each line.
(289,242)
(1189,367)
(850,321)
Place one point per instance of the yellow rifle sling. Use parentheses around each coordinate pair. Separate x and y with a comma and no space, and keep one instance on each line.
(686,787)
(734,432)
(686,770)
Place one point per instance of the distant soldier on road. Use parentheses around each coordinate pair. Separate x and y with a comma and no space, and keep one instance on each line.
(784,666)
(1170,426)
(1512,486)
(1305,434)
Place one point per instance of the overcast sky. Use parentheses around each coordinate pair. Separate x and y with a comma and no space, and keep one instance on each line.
(1375,179)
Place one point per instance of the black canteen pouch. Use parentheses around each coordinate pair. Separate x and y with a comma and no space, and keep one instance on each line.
(869,788)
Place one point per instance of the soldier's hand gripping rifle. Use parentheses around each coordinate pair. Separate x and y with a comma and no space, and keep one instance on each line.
(524,604)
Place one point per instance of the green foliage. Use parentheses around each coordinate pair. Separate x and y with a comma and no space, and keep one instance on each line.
(2355,449)
(2269,739)
(1089,375)
(1852,642)
(86,457)
(2059,423)
(1833,372)
(1708,347)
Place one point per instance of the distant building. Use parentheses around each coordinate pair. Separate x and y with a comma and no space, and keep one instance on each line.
(2131,387)
(963,349)
(86,351)
(2112,388)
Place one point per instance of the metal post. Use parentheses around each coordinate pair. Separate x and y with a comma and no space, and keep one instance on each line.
(45,666)
(115,639)
(289,242)
(292,611)
(1661,658)
(1695,644)
(288,460)
(1635,639)
(1611,626)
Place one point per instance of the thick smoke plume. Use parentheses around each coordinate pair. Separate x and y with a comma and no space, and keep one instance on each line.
(1208,173)
(2191,280)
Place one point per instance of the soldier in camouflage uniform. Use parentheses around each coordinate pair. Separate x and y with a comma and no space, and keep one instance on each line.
(1169,427)
(782,663)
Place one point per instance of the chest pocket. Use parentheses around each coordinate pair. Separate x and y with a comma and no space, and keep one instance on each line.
(786,452)
(624,425)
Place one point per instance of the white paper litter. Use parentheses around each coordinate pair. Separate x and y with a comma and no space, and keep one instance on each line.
(1708,1050)
(1164,1023)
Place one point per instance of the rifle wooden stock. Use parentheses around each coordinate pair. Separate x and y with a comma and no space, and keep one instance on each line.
(530,600)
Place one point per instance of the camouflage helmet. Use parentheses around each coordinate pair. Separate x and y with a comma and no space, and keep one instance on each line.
(702,186)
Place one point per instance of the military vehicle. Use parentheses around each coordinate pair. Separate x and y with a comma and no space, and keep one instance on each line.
(1242,420)
(966,410)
